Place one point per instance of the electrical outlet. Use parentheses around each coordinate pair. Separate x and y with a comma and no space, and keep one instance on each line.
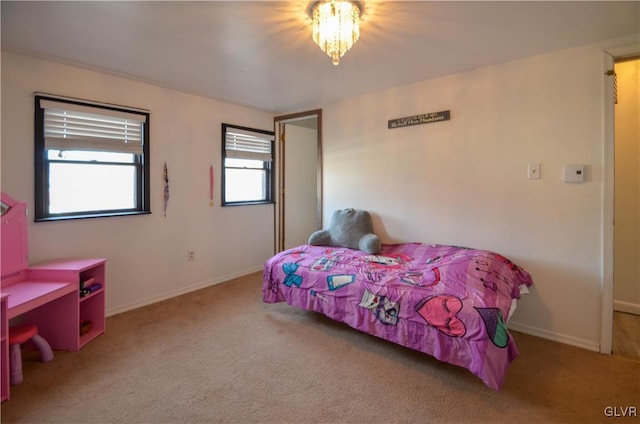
(191,255)
(533,171)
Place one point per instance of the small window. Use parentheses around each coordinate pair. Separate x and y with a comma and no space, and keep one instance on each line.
(90,160)
(247,156)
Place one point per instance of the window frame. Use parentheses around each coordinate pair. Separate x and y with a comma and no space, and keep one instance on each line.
(268,167)
(42,162)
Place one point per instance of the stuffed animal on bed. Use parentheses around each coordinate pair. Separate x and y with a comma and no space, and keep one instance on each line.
(349,228)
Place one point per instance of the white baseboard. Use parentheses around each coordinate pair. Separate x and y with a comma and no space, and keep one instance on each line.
(180,291)
(550,335)
(523,328)
(630,308)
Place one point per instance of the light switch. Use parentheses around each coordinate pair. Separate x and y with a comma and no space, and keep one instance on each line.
(575,173)
(533,171)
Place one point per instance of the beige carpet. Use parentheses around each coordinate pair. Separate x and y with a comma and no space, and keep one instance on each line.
(221,355)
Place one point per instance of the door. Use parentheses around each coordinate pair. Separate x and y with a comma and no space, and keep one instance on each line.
(626,271)
(298,178)
(608,235)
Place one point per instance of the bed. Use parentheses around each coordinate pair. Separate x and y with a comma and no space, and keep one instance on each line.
(450,302)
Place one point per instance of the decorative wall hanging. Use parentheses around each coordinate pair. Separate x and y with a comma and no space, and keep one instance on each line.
(211,185)
(426,118)
(165,176)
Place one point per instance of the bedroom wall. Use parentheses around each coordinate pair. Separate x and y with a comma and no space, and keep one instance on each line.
(464,181)
(146,255)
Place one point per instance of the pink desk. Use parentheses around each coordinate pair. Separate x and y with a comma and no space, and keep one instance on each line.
(28,295)
(48,295)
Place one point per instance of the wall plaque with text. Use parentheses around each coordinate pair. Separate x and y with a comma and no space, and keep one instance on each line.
(426,118)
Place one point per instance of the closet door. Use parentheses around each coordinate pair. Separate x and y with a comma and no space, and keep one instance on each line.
(300,177)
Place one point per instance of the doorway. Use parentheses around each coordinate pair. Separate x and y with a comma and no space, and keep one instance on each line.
(298,178)
(626,256)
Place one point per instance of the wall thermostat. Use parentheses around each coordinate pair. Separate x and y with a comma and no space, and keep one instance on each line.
(575,173)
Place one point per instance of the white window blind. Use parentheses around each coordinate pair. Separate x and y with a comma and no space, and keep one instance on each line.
(242,144)
(68,126)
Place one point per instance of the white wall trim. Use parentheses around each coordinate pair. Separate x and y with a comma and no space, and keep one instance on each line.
(556,337)
(630,308)
(606,314)
(181,291)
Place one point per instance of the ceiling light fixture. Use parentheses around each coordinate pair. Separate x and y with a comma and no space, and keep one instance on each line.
(336,25)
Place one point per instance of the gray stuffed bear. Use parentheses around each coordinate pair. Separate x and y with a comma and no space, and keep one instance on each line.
(349,228)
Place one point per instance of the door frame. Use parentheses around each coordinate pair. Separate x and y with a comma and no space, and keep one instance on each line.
(279,215)
(606,315)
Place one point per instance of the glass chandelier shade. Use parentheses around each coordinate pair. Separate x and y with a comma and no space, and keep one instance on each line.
(336,26)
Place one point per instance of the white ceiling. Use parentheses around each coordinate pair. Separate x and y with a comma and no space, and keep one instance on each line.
(260,54)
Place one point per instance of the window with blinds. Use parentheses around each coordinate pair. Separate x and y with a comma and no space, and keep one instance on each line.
(91,159)
(247,174)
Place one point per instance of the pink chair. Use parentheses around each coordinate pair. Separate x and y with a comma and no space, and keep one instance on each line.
(17,336)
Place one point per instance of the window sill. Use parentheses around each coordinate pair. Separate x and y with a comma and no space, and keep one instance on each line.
(247,203)
(91,215)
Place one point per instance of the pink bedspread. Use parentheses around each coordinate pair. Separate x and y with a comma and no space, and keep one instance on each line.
(449,302)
